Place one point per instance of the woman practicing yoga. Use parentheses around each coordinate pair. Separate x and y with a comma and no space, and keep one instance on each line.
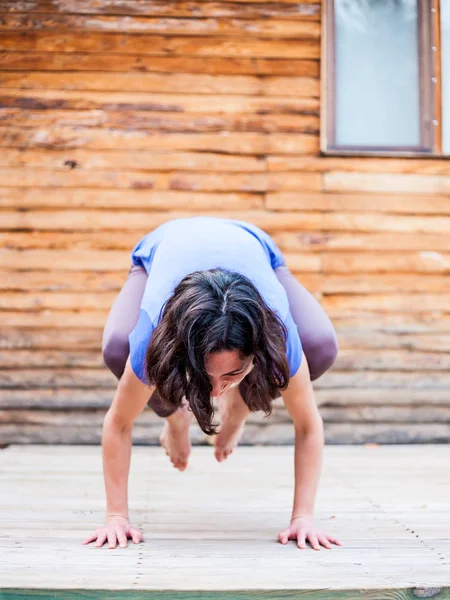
(210,310)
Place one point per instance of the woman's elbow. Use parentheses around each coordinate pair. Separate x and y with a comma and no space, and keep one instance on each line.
(312,429)
(117,422)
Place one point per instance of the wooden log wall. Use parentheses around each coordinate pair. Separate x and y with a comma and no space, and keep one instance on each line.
(117,116)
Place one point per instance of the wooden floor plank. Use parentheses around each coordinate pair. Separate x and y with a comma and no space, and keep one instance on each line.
(211,532)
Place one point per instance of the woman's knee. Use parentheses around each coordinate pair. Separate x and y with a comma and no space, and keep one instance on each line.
(115,352)
(159,406)
(321,350)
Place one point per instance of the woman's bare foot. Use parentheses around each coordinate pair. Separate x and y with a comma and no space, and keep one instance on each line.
(233,412)
(175,438)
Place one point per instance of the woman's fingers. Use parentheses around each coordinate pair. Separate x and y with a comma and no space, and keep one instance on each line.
(122,537)
(334,540)
(301,542)
(323,540)
(314,541)
(90,539)
(135,535)
(116,534)
(100,540)
(111,535)
(303,534)
(283,537)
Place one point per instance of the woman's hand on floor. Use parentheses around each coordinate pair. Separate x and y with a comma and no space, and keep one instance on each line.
(303,528)
(117,530)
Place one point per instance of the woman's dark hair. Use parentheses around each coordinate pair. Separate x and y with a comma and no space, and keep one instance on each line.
(213,311)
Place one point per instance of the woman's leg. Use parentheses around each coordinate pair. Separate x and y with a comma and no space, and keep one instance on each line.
(121,321)
(316,332)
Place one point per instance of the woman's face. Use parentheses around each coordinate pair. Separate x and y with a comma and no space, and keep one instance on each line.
(227,369)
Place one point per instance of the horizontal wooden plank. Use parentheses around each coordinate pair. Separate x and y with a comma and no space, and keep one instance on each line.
(387,183)
(302,29)
(52,378)
(47,281)
(161,83)
(95,418)
(107,181)
(61,418)
(55,378)
(402,204)
(53,240)
(300,200)
(314,241)
(47,339)
(406,262)
(345,397)
(94,220)
(377,283)
(359,339)
(90,339)
(384,380)
(129,160)
(56,319)
(366,339)
(284,9)
(157,45)
(76,220)
(154,121)
(68,434)
(386,433)
(390,360)
(59,399)
(57,301)
(56,399)
(15,359)
(304,263)
(372,320)
(373,164)
(111,260)
(331,240)
(182,181)
(125,63)
(335,433)
(67,138)
(355,359)
(65,260)
(390,303)
(86,281)
(102,260)
(366,316)
(431,323)
(85,399)
(208,104)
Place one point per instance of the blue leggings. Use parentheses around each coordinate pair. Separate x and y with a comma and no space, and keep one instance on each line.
(316,332)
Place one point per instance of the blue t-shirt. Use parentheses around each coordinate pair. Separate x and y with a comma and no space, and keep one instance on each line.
(182,246)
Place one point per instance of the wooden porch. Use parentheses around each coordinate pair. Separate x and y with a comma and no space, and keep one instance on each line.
(211,532)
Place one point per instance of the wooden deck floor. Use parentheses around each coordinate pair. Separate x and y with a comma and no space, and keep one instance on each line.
(211,532)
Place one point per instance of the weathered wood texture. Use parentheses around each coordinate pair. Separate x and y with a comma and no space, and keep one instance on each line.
(211,532)
(115,117)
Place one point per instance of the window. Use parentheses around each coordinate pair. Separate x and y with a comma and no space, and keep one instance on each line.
(445,70)
(386,77)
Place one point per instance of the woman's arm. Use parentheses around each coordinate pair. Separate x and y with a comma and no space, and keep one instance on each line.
(301,404)
(129,401)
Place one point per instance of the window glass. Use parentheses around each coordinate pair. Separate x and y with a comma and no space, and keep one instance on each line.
(377,73)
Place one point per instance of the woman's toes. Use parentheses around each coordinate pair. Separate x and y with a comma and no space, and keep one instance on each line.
(220,454)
